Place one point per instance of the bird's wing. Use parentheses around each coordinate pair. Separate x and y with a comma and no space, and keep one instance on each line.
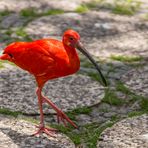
(39,60)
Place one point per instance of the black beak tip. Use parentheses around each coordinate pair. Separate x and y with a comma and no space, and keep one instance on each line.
(105,84)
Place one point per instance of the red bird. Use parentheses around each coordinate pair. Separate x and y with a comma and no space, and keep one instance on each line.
(49,59)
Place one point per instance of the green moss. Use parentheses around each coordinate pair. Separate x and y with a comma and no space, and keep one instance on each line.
(82,9)
(126,7)
(88,134)
(1,64)
(126,58)
(21,36)
(21,33)
(9,31)
(111,98)
(75,138)
(99,4)
(29,119)
(95,3)
(92,5)
(69,132)
(135,113)
(121,87)
(114,118)
(86,64)
(8,112)
(4,13)
(29,12)
(33,13)
(94,76)
(82,110)
(61,128)
(144,104)
(131,96)
(53,12)
(92,132)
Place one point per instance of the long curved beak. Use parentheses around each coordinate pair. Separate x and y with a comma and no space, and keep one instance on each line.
(81,48)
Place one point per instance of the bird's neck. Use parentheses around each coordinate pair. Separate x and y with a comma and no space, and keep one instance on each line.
(73,57)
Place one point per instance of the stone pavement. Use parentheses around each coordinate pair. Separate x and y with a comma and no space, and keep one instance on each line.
(16,133)
(128,133)
(137,80)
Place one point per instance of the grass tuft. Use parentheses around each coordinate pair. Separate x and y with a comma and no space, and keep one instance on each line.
(126,7)
(28,12)
(135,113)
(10,113)
(68,131)
(122,88)
(94,76)
(4,13)
(21,33)
(77,111)
(126,58)
(82,9)
(144,104)
(53,12)
(1,64)
(111,98)
(88,134)
(33,13)
(92,133)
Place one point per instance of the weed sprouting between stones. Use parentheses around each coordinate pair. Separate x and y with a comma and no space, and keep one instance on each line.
(33,13)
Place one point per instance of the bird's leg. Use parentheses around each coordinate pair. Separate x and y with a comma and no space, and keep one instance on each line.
(60,114)
(42,128)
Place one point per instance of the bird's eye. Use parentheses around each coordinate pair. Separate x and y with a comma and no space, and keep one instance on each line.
(10,55)
(71,38)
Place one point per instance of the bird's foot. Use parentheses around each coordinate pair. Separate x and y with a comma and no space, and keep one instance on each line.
(48,131)
(61,116)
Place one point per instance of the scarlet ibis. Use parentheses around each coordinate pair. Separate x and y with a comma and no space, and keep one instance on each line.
(48,59)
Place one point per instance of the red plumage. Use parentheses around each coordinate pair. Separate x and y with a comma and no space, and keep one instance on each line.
(46,59)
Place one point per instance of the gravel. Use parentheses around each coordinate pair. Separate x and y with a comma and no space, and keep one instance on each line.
(128,133)
(137,81)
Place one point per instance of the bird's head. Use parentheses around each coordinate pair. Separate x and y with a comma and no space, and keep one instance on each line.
(72,39)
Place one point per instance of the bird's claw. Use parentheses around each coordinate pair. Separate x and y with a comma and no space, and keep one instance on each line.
(49,131)
(60,117)
(63,117)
